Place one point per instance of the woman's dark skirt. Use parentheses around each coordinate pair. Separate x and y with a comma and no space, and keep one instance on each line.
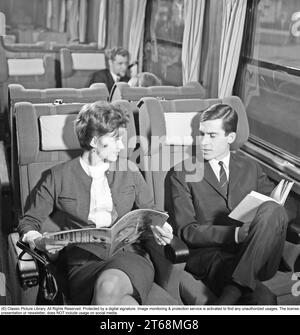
(83,269)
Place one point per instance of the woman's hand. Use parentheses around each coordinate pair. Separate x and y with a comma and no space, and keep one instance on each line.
(163,235)
(30,238)
(49,246)
(36,240)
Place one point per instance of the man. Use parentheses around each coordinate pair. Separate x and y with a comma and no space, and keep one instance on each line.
(230,257)
(118,64)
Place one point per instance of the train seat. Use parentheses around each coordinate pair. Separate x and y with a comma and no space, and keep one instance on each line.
(45,137)
(17,93)
(38,72)
(168,139)
(120,90)
(77,66)
(191,90)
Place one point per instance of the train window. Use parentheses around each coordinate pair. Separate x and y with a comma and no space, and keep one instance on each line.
(54,22)
(163,39)
(269,76)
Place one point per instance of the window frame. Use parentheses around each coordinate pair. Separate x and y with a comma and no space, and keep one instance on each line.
(272,155)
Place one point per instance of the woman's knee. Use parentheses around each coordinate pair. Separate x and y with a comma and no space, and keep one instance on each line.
(111,286)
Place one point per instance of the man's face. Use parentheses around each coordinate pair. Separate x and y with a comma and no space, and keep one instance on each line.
(119,65)
(213,141)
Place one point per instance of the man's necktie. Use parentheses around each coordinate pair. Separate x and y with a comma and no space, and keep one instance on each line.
(223,179)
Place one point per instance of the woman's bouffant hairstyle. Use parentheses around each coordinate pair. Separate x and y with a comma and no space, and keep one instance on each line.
(98,119)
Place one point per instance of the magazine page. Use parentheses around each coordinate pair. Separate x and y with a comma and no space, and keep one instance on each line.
(101,236)
(133,225)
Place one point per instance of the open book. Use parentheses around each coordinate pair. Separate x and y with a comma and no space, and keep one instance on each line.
(246,210)
(127,230)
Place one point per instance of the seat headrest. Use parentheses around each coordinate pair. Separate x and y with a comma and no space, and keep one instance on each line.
(45,132)
(80,61)
(97,91)
(191,90)
(174,120)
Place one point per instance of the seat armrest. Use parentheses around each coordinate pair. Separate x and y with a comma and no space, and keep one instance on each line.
(177,251)
(293,233)
(26,266)
(169,264)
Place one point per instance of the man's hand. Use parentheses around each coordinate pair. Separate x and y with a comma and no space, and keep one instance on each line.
(243,232)
(163,235)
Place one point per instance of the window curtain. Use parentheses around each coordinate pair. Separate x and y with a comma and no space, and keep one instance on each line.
(234,12)
(134,19)
(73,19)
(2,24)
(53,14)
(49,14)
(62,16)
(102,24)
(192,38)
(82,20)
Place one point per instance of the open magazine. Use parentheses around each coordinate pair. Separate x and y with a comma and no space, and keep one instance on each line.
(246,210)
(127,230)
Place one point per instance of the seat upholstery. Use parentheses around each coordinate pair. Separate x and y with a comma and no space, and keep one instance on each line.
(38,72)
(171,122)
(33,160)
(77,66)
(167,138)
(191,90)
(120,90)
(17,93)
(163,124)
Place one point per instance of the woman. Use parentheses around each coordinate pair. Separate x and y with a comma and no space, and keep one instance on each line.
(86,191)
(144,79)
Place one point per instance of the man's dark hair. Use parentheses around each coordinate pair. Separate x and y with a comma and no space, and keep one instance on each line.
(224,112)
(112,53)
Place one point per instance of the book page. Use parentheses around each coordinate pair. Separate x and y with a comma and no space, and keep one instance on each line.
(282,190)
(246,210)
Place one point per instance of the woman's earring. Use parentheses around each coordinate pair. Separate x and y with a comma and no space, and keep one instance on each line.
(93,150)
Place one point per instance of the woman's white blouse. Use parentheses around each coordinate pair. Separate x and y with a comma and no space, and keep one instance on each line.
(101,204)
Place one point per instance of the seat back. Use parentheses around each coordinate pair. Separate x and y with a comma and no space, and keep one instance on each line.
(122,90)
(45,137)
(17,93)
(38,72)
(168,137)
(169,132)
(192,90)
(77,66)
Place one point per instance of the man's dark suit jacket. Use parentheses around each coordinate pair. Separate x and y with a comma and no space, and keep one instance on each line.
(201,211)
(104,76)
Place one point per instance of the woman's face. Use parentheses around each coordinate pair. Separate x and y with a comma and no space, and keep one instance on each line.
(109,145)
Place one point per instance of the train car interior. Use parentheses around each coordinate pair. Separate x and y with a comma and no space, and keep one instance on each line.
(242,53)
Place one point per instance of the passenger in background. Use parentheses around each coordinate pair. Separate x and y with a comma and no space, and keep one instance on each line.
(232,258)
(144,79)
(118,64)
(84,190)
